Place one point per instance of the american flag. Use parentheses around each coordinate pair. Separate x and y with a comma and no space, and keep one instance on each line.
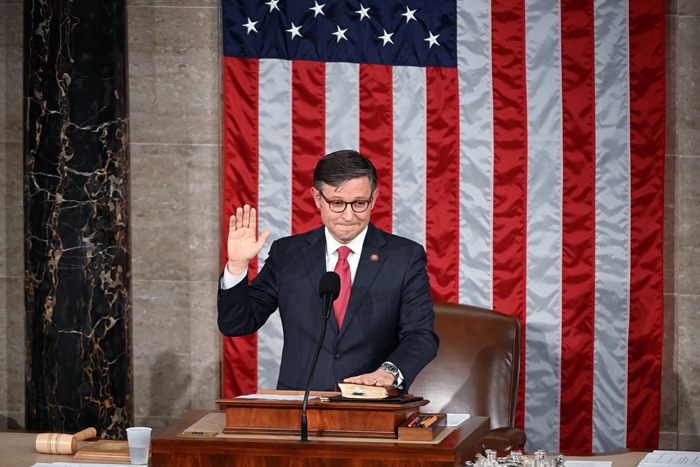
(521,142)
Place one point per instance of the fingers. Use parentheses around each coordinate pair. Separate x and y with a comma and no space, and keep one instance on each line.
(263,238)
(375,378)
(250,214)
(242,245)
(243,218)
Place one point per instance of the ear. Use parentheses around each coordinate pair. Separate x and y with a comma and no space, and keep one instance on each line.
(375,195)
(316,196)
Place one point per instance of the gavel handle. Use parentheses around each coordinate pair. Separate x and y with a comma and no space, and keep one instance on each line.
(87,433)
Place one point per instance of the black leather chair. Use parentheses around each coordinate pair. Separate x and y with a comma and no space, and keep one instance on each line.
(476,371)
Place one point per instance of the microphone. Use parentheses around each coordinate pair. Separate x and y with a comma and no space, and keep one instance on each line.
(328,289)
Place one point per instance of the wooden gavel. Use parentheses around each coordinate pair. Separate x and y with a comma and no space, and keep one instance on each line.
(62,443)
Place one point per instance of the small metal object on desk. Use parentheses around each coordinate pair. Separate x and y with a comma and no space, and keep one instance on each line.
(516,459)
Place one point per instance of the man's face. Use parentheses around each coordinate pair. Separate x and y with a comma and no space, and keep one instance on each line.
(346,225)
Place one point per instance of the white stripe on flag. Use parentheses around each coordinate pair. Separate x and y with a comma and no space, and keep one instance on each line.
(274,193)
(409,110)
(544,229)
(476,152)
(342,106)
(612,226)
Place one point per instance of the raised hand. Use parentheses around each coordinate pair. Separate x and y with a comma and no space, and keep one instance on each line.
(243,244)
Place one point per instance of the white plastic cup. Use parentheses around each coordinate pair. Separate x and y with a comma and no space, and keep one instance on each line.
(139,439)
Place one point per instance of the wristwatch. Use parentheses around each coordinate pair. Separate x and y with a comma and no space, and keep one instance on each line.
(391,369)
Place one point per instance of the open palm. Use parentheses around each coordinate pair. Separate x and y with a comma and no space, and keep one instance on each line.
(243,244)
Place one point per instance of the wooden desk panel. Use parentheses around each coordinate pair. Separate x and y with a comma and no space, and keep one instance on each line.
(170,450)
(347,418)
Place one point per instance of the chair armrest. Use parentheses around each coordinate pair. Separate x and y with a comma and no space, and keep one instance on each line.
(503,440)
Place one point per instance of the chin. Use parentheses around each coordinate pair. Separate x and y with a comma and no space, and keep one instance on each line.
(345,236)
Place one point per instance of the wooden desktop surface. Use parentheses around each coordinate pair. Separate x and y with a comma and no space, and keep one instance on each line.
(170,450)
(18,450)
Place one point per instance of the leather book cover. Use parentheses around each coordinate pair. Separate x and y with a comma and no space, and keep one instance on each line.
(400,399)
(364,391)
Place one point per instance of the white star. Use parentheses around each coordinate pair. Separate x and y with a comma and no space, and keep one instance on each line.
(250,26)
(340,34)
(273,5)
(409,15)
(294,31)
(317,9)
(386,37)
(432,40)
(363,12)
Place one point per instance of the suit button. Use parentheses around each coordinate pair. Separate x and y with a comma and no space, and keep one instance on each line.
(337,356)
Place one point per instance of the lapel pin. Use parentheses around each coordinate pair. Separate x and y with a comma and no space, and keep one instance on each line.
(374,257)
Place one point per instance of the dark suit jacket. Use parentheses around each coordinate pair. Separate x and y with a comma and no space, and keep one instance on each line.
(389,317)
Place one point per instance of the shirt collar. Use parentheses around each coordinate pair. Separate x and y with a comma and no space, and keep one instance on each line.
(355,244)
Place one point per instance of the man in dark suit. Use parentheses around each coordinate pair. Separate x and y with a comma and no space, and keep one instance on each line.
(385,336)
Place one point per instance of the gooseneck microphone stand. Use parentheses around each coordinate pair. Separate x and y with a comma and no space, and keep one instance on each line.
(329,289)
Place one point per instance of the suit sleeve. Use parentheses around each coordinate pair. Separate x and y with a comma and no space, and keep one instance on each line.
(244,308)
(418,342)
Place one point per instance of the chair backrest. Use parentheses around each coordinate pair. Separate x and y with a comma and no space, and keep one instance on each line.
(477,367)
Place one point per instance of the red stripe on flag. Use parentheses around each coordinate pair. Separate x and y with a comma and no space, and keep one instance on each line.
(510,167)
(308,139)
(647,127)
(239,180)
(376,128)
(578,226)
(442,185)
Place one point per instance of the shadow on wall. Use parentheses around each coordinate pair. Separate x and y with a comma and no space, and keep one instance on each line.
(7,423)
(170,386)
(688,407)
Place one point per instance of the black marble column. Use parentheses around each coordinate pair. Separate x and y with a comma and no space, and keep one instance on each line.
(76,195)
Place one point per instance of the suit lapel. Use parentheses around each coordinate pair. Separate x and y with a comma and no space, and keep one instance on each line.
(371,262)
(314,257)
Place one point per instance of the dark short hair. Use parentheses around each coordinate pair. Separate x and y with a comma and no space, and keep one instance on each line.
(338,167)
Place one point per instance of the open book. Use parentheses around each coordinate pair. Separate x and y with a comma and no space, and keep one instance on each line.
(364,391)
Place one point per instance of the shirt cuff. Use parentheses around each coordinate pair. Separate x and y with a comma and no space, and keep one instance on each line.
(399,378)
(228,280)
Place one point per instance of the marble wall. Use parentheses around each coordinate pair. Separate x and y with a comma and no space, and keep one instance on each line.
(77,218)
(175,108)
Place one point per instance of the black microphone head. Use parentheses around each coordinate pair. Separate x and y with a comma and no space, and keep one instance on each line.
(329,285)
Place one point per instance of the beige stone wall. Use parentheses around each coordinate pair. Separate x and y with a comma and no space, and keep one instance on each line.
(680,407)
(175,109)
(11,217)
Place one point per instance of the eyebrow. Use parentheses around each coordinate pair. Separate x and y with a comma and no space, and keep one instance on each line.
(356,199)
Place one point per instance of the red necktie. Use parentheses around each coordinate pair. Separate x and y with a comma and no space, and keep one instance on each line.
(342,268)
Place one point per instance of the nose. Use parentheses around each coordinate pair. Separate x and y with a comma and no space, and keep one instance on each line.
(348,214)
